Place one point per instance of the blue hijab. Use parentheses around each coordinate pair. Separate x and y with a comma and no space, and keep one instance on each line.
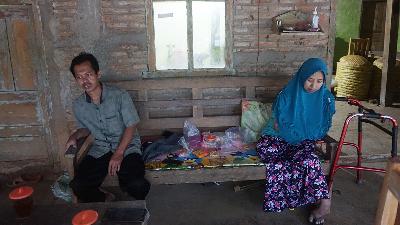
(301,115)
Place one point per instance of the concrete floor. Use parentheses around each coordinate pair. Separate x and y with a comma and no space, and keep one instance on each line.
(212,204)
(206,204)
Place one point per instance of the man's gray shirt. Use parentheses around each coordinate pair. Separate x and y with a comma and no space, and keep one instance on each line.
(107,121)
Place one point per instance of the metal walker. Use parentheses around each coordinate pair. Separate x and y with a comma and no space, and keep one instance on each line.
(364,115)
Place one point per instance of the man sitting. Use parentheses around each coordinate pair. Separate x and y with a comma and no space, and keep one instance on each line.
(108,114)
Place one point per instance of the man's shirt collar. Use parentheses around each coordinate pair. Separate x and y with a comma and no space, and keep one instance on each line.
(103,91)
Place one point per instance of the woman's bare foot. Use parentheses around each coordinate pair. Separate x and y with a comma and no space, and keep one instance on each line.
(318,215)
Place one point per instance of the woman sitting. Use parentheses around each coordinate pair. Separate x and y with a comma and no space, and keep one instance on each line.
(302,114)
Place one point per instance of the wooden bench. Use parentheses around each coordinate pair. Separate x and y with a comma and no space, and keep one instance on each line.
(212,104)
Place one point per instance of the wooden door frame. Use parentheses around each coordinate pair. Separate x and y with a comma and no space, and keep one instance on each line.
(55,124)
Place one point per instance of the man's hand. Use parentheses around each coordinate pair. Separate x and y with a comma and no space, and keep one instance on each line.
(71,142)
(115,163)
(116,159)
(73,139)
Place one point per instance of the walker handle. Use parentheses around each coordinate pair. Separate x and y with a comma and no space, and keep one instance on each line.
(355,102)
(341,99)
(372,115)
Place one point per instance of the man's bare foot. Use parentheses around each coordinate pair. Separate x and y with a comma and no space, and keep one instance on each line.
(318,215)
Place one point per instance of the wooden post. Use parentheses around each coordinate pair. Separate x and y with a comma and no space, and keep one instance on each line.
(189,35)
(150,36)
(389,51)
(389,196)
(331,42)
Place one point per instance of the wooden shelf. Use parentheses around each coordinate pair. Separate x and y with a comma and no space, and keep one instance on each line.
(302,33)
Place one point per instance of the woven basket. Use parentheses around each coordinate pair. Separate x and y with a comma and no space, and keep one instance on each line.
(375,87)
(353,76)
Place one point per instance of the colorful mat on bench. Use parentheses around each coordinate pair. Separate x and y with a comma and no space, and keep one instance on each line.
(205,158)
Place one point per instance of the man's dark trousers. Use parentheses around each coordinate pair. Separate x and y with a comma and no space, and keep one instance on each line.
(91,173)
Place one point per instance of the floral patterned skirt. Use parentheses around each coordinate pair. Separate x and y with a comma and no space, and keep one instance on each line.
(293,174)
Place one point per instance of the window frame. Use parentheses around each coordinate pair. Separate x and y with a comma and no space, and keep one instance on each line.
(191,71)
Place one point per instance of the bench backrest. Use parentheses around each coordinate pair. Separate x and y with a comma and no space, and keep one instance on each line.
(211,103)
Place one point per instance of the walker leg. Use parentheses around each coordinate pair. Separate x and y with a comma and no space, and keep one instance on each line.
(358,180)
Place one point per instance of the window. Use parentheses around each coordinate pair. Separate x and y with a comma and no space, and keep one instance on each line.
(188,36)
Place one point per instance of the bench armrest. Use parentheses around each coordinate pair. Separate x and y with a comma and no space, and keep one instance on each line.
(75,155)
(330,145)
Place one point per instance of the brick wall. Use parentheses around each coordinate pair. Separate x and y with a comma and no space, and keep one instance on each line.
(123,42)
(118,37)
(258,48)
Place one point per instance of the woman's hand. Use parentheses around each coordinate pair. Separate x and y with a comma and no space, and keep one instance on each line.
(115,163)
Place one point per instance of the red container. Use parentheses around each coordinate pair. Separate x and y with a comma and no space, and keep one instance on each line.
(85,217)
(23,201)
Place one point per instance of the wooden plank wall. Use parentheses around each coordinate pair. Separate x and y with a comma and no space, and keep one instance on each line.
(6,79)
(21,131)
(211,103)
(373,22)
(22,134)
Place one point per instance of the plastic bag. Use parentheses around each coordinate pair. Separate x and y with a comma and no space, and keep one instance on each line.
(254,117)
(233,140)
(184,144)
(248,135)
(61,188)
(211,140)
(191,135)
(234,134)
